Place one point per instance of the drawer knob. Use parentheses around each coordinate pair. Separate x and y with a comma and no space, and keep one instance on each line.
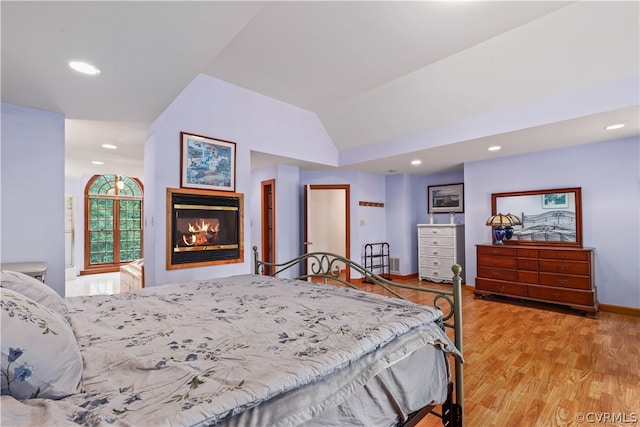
(435,262)
(563,281)
(435,242)
(435,252)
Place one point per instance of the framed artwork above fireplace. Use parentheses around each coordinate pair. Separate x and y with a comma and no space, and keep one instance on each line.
(204,228)
(207,163)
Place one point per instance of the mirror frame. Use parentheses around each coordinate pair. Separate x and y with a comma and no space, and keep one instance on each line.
(577,192)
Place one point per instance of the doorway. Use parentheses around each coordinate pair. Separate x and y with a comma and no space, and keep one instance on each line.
(327,220)
(268,215)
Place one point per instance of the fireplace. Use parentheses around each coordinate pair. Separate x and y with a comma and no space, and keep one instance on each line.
(203,228)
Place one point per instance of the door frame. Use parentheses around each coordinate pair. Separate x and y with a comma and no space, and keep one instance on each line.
(268,222)
(347,218)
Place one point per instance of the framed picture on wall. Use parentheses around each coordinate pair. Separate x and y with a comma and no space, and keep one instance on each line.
(446,198)
(555,201)
(207,163)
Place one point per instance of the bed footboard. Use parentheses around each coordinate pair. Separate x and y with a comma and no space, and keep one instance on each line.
(329,267)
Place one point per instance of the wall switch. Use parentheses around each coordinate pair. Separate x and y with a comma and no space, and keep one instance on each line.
(362,223)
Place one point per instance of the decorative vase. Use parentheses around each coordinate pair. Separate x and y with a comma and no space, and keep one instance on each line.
(499,234)
(508,233)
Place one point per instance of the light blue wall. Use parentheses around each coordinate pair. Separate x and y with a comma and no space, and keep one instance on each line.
(288,218)
(423,183)
(401,220)
(287,208)
(218,109)
(608,172)
(32,190)
(609,175)
(257,176)
(419,197)
(362,187)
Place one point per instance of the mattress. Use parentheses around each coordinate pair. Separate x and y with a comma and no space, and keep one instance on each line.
(247,350)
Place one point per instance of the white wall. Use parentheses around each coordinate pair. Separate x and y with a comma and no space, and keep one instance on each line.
(32,190)
(609,175)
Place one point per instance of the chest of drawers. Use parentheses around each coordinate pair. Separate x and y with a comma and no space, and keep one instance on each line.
(439,247)
(555,275)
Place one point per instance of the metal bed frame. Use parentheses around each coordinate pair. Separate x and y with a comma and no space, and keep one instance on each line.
(328,267)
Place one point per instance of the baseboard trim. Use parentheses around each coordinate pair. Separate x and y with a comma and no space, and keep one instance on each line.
(629,311)
(395,277)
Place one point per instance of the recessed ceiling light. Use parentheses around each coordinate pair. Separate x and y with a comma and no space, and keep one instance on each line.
(416,162)
(494,148)
(392,170)
(109,146)
(97,162)
(84,68)
(615,126)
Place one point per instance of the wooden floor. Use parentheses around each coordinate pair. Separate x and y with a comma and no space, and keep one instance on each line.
(542,366)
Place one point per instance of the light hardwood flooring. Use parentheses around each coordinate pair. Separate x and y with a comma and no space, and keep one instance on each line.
(540,366)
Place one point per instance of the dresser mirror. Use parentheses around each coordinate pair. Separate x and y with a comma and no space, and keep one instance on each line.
(548,217)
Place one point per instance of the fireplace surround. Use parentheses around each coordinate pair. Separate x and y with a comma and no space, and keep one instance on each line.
(204,228)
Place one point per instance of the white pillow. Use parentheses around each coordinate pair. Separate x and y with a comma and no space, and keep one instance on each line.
(32,288)
(40,355)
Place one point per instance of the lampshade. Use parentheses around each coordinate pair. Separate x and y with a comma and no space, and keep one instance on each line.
(499,220)
(514,219)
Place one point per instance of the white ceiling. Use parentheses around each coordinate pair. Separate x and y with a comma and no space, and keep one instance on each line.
(390,80)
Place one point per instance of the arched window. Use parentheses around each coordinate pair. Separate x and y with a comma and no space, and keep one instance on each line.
(113,222)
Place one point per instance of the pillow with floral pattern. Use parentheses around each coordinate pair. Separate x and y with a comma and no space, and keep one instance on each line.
(32,288)
(40,355)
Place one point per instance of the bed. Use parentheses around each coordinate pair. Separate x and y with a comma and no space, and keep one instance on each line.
(246,350)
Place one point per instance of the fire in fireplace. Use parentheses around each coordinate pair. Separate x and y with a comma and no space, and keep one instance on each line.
(205,228)
(205,232)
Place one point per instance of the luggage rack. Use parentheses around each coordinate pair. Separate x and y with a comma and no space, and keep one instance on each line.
(376,259)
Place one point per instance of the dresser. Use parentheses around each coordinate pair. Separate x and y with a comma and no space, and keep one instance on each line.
(558,275)
(439,247)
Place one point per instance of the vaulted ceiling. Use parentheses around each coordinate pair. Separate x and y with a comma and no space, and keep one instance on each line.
(390,80)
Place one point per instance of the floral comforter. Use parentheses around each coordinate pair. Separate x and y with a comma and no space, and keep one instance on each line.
(197,353)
